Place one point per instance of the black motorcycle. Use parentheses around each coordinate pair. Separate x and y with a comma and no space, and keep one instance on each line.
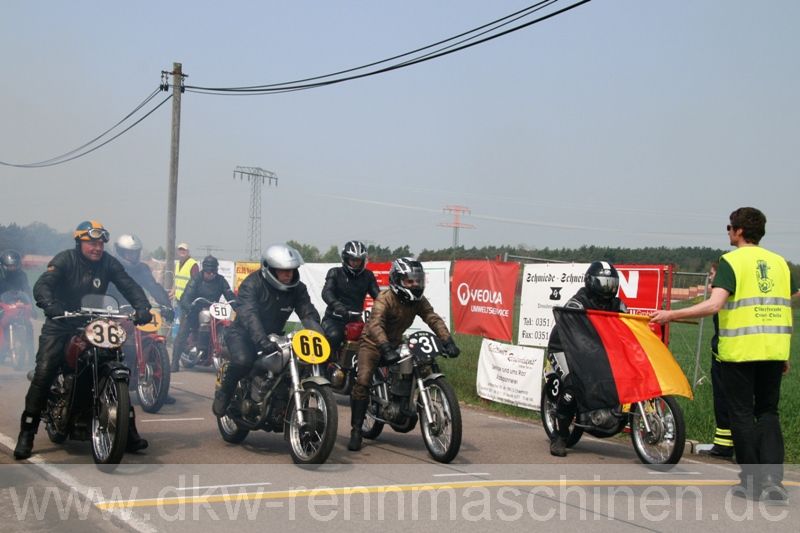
(286,392)
(411,389)
(89,397)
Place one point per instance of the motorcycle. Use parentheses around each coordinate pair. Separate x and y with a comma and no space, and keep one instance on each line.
(286,392)
(413,388)
(205,346)
(657,426)
(152,376)
(16,329)
(342,371)
(89,397)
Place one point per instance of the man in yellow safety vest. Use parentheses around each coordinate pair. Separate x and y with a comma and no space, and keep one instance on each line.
(185,267)
(752,294)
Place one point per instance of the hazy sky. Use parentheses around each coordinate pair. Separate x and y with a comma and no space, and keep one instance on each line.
(621,122)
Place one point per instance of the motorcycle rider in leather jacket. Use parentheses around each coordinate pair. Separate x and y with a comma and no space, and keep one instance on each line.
(344,291)
(267,297)
(601,282)
(70,275)
(13,278)
(206,284)
(392,314)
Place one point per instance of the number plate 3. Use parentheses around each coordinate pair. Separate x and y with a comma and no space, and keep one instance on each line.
(105,333)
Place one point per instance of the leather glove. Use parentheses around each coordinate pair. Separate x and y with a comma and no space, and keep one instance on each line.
(450,348)
(54,309)
(234,304)
(388,354)
(142,317)
(340,310)
(269,347)
(168,313)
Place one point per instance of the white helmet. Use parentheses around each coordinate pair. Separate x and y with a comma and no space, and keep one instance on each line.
(281,257)
(128,248)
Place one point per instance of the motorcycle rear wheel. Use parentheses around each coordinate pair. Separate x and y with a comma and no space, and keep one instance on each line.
(548,413)
(665,443)
(313,442)
(153,387)
(230,430)
(110,419)
(442,435)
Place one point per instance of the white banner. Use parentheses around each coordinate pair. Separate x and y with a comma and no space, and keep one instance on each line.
(227,269)
(510,374)
(437,288)
(544,286)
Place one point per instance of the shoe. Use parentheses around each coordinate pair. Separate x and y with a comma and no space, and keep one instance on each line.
(169,400)
(221,402)
(28,427)
(775,494)
(558,447)
(355,440)
(358,411)
(723,452)
(745,491)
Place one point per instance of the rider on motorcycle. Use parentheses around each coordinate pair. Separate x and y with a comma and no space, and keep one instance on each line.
(71,275)
(601,282)
(392,313)
(13,278)
(206,284)
(266,299)
(345,289)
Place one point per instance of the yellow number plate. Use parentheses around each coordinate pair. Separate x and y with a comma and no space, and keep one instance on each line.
(155,325)
(311,347)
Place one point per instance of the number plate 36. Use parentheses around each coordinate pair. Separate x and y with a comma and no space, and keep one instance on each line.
(105,333)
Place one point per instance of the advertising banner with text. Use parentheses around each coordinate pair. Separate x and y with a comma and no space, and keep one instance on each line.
(510,374)
(482,295)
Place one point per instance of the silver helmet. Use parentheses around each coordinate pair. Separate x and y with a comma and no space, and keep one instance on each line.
(128,248)
(281,257)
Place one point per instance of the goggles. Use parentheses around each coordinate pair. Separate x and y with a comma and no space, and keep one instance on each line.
(96,234)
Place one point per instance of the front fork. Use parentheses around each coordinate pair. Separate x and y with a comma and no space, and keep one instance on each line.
(644,417)
(297,390)
(426,400)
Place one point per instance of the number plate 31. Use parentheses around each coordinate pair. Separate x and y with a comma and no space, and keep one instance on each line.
(105,333)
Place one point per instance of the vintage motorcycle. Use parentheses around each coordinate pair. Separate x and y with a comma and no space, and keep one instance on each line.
(413,388)
(89,397)
(16,329)
(152,375)
(342,370)
(657,427)
(285,392)
(205,347)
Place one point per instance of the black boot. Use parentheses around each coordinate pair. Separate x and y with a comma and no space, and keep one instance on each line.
(225,388)
(135,441)
(358,411)
(29,424)
(558,445)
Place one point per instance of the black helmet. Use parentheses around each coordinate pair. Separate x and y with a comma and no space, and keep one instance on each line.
(406,268)
(354,250)
(281,257)
(11,260)
(602,280)
(210,264)
(128,248)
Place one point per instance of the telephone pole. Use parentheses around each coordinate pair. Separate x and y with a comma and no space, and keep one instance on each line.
(456,224)
(256,176)
(172,201)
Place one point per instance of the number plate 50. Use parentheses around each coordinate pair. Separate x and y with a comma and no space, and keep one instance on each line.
(105,333)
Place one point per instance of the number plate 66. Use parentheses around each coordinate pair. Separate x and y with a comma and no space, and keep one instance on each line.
(105,333)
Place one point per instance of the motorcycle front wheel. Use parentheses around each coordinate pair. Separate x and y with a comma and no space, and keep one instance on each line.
(664,444)
(230,430)
(152,385)
(110,418)
(312,441)
(442,434)
(372,428)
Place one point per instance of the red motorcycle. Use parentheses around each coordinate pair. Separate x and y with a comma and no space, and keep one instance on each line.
(16,329)
(343,368)
(205,346)
(152,376)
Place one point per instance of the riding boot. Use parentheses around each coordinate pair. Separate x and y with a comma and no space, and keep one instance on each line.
(29,424)
(358,411)
(226,385)
(558,445)
(135,441)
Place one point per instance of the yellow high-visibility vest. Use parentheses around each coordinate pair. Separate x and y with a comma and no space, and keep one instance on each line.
(755,324)
(182,276)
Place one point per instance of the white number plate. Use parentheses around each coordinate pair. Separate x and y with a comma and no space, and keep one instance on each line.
(221,311)
(105,333)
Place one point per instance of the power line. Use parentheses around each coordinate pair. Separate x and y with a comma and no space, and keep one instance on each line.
(452,48)
(63,158)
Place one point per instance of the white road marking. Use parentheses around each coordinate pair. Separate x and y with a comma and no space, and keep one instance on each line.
(463,474)
(653,473)
(172,420)
(224,486)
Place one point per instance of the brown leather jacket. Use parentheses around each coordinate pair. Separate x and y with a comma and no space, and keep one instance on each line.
(390,318)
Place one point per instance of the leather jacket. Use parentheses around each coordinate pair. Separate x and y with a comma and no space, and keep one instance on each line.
(141,274)
(344,289)
(390,318)
(198,287)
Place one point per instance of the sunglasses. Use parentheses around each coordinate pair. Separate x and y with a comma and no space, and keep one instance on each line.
(729,227)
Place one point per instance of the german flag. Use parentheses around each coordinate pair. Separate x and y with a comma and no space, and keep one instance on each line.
(615,359)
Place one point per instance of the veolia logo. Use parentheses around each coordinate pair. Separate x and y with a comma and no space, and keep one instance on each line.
(465,294)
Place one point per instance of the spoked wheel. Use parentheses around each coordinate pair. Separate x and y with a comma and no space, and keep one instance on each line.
(372,428)
(230,430)
(110,422)
(548,414)
(312,441)
(442,434)
(664,444)
(152,385)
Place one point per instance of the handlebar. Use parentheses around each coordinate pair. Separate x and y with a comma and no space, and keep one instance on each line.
(93,312)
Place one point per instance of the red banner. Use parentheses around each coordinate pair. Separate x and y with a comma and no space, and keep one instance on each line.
(482,296)
(641,287)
